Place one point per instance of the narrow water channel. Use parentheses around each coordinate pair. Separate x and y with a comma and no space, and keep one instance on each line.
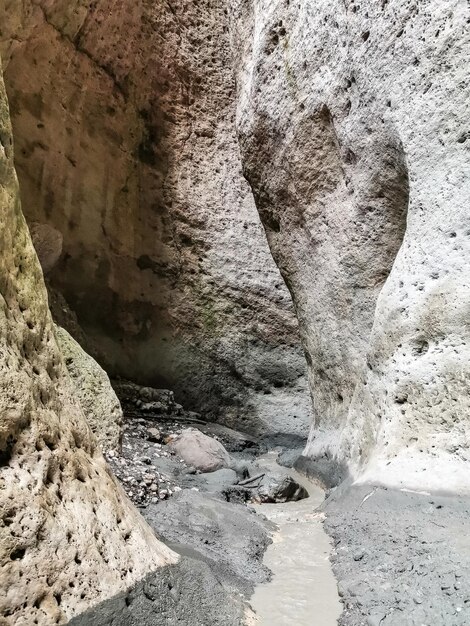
(302,591)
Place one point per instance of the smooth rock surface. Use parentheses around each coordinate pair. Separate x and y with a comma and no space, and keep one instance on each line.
(229,537)
(202,452)
(214,482)
(69,538)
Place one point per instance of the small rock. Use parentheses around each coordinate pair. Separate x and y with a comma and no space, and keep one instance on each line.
(154,435)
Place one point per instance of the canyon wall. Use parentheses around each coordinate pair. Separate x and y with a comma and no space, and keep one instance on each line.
(353,127)
(123,116)
(69,537)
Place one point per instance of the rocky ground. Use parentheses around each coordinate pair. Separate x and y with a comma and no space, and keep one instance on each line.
(400,558)
(151,470)
(201,514)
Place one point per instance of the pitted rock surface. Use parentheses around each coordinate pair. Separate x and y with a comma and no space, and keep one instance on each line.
(69,537)
(359,167)
(126,145)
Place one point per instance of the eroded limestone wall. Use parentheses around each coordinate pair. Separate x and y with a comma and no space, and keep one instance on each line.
(353,127)
(123,115)
(69,537)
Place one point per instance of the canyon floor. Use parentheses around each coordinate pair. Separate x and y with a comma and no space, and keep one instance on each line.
(361,556)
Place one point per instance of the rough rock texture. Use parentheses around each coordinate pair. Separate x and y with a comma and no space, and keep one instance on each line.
(401,558)
(187,594)
(68,536)
(93,390)
(202,452)
(48,243)
(353,127)
(124,120)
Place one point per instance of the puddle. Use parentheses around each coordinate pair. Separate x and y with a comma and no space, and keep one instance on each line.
(303,589)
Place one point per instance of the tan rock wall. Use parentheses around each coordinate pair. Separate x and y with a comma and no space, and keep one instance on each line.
(69,538)
(92,388)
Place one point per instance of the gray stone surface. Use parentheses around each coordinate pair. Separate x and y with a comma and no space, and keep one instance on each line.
(353,129)
(214,482)
(229,537)
(202,452)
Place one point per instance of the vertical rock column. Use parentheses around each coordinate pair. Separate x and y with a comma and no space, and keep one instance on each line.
(353,127)
(330,183)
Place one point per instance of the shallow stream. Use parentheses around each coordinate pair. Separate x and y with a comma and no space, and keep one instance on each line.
(302,591)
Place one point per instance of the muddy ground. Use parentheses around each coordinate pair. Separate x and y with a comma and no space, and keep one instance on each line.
(400,558)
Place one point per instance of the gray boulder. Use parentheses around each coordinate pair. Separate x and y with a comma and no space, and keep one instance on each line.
(202,452)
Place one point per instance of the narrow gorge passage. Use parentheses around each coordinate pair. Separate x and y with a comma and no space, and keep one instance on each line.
(303,590)
(234,265)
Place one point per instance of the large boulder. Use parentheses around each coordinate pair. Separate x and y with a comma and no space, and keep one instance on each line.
(69,537)
(278,488)
(202,452)
(353,128)
(93,390)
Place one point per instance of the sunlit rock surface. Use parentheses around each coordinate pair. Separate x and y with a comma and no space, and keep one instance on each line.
(353,127)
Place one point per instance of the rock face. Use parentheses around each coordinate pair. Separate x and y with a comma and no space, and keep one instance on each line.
(69,538)
(48,243)
(124,124)
(353,127)
(93,390)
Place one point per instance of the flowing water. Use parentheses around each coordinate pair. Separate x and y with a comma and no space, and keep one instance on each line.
(303,589)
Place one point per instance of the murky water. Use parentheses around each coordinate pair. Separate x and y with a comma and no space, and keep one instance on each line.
(303,590)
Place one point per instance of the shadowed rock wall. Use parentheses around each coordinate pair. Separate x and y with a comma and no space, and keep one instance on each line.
(123,114)
(69,537)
